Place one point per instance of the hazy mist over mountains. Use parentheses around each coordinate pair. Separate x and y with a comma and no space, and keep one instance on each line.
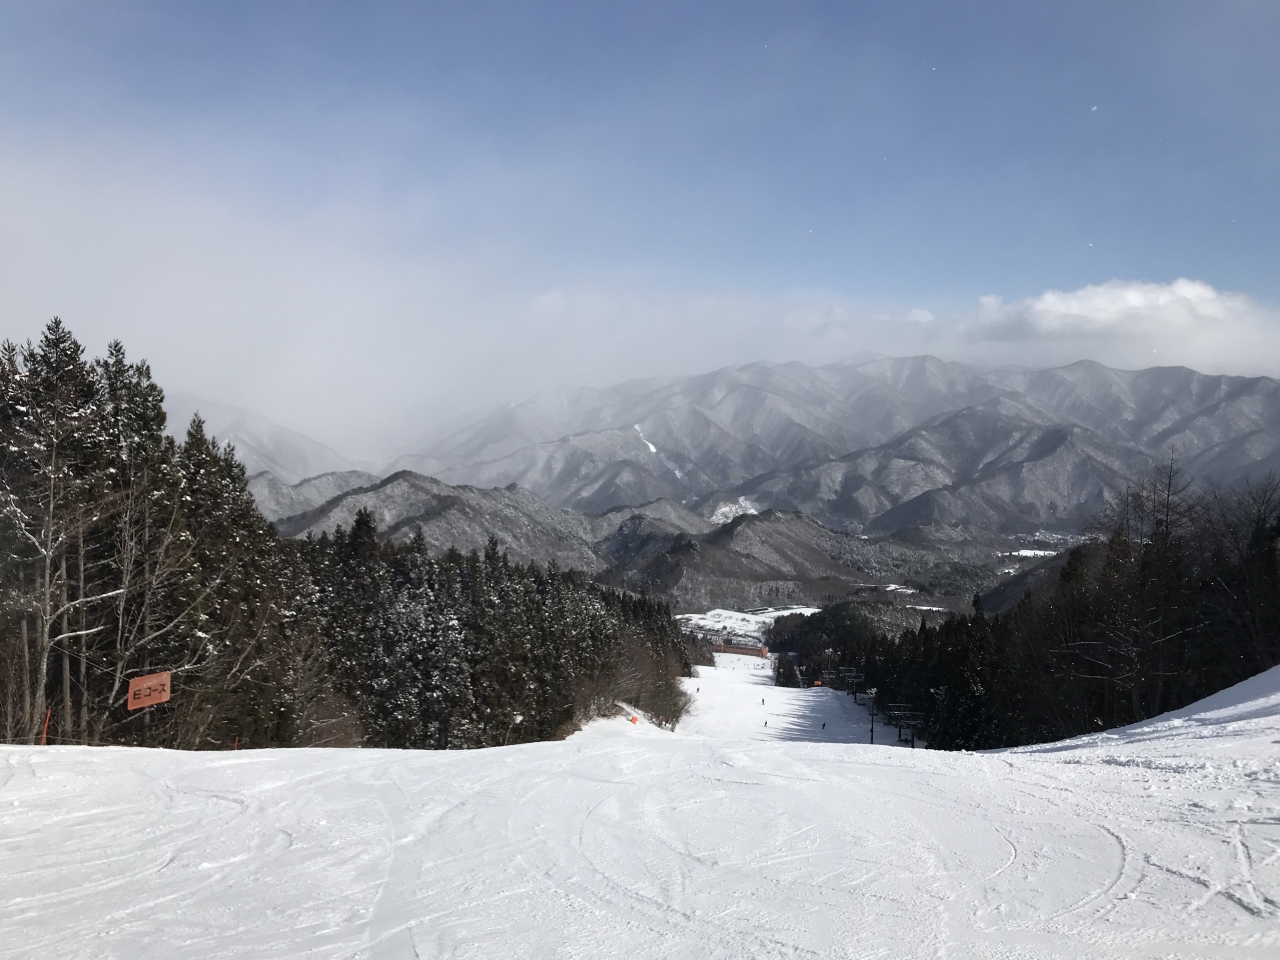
(845,443)
(260,443)
(772,483)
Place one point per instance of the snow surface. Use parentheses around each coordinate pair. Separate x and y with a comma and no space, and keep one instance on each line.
(629,841)
(733,509)
(736,623)
(652,448)
(736,700)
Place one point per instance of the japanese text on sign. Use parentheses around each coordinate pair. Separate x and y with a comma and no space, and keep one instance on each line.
(145,691)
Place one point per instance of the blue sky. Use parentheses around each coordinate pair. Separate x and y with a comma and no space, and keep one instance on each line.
(454,204)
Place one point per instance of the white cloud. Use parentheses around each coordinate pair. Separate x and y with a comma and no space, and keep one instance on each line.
(1133,323)
(1121,308)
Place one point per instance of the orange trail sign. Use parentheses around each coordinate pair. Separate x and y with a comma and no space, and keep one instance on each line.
(144,691)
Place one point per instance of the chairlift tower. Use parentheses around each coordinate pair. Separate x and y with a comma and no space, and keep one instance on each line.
(902,716)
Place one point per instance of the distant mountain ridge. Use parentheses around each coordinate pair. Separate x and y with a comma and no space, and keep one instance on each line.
(858,443)
(986,466)
(686,437)
(870,446)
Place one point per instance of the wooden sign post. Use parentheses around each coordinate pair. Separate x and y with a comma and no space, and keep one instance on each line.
(148,690)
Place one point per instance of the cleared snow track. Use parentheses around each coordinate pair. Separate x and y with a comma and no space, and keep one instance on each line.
(1160,840)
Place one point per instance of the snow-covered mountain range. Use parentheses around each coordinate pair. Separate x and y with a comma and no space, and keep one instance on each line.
(761,484)
(851,443)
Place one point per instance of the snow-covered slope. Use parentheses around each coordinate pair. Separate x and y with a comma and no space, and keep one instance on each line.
(736,624)
(736,700)
(1161,840)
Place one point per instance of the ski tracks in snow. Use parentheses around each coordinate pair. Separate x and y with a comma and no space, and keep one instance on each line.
(640,844)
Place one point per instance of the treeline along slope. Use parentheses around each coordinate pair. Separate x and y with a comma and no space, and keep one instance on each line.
(476,651)
(125,552)
(1176,598)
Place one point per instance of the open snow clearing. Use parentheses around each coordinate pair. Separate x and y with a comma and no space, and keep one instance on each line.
(725,839)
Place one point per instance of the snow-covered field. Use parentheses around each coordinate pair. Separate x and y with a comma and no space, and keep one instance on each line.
(727,839)
(735,623)
(738,701)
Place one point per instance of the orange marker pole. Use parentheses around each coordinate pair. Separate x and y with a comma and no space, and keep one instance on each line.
(44,733)
(236,745)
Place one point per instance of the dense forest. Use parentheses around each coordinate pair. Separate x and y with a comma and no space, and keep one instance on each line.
(124,552)
(473,651)
(1175,598)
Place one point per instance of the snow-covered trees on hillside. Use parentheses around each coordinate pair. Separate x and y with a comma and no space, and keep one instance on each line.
(1177,598)
(123,553)
(469,651)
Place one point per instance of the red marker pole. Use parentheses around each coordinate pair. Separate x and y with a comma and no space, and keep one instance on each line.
(44,733)
(236,745)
